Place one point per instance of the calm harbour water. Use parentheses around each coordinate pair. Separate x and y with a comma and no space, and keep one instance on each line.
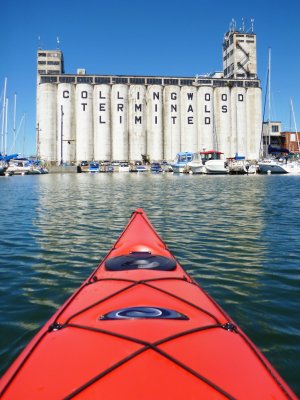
(237,235)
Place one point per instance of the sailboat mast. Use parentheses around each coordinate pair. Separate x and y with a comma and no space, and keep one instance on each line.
(14,129)
(3,115)
(269,98)
(6,124)
(297,137)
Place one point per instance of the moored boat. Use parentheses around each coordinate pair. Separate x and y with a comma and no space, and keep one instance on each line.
(141,328)
(271,166)
(94,167)
(181,161)
(213,162)
(124,167)
(196,166)
(156,167)
(238,165)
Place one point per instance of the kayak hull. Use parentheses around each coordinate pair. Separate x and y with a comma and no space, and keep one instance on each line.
(141,327)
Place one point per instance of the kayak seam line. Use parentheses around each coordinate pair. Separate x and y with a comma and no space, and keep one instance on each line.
(146,283)
(147,346)
(261,359)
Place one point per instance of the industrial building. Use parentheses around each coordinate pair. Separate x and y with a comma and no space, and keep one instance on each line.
(117,117)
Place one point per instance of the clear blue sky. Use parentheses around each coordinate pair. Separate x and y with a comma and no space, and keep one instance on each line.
(158,37)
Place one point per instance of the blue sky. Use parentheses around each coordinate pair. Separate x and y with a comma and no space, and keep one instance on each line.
(157,37)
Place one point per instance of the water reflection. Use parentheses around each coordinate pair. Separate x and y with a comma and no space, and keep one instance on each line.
(237,235)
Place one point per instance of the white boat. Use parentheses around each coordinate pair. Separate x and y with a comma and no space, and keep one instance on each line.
(275,166)
(181,162)
(124,167)
(238,165)
(20,167)
(213,162)
(196,166)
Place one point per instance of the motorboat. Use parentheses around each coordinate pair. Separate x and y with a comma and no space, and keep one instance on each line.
(278,166)
(141,168)
(21,166)
(124,167)
(196,166)
(181,161)
(156,167)
(94,167)
(238,165)
(214,163)
(271,166)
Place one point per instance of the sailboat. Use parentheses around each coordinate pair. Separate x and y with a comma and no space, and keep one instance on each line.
(277,163)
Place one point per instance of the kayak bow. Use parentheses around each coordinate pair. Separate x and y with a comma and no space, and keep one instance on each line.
(141,328)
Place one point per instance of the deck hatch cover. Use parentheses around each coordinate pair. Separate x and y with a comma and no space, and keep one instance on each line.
(142,312)
(140,260)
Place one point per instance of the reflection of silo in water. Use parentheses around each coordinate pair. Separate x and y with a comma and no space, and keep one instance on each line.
(205,108)
(188,115)
(46,109)
(102,122)
(66,123)
(154,122)
(222,119)
(84,122)
(253,122)
(137,122)
(119,121)
(171,121)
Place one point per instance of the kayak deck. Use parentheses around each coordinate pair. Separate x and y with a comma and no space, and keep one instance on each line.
(140,327)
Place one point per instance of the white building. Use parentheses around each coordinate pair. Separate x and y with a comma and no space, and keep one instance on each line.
(108,117)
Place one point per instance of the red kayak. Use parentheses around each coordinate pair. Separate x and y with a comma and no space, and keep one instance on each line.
(141,328)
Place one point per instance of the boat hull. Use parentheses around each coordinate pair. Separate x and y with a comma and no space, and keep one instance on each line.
(141,328)
(271,168)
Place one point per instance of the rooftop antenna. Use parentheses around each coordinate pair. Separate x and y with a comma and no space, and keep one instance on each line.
(57,42)
(252,25)
(243,24)
(40,46)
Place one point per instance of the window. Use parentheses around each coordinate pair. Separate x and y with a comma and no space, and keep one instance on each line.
(137,80)
(84,79)
(187,82)
(53,62)
(154,81)
(42,54)
(67,79)
(102,79)
(48,79)
(121,80)
(42,62)
(251,84)
(171,81)
(275,128)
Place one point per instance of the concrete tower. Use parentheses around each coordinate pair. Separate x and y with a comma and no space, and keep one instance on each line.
(239,53)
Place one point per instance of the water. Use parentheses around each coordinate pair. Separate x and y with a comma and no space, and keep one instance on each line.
(237,235)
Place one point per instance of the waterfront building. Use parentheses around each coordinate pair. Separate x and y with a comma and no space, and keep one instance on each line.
(117,117)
